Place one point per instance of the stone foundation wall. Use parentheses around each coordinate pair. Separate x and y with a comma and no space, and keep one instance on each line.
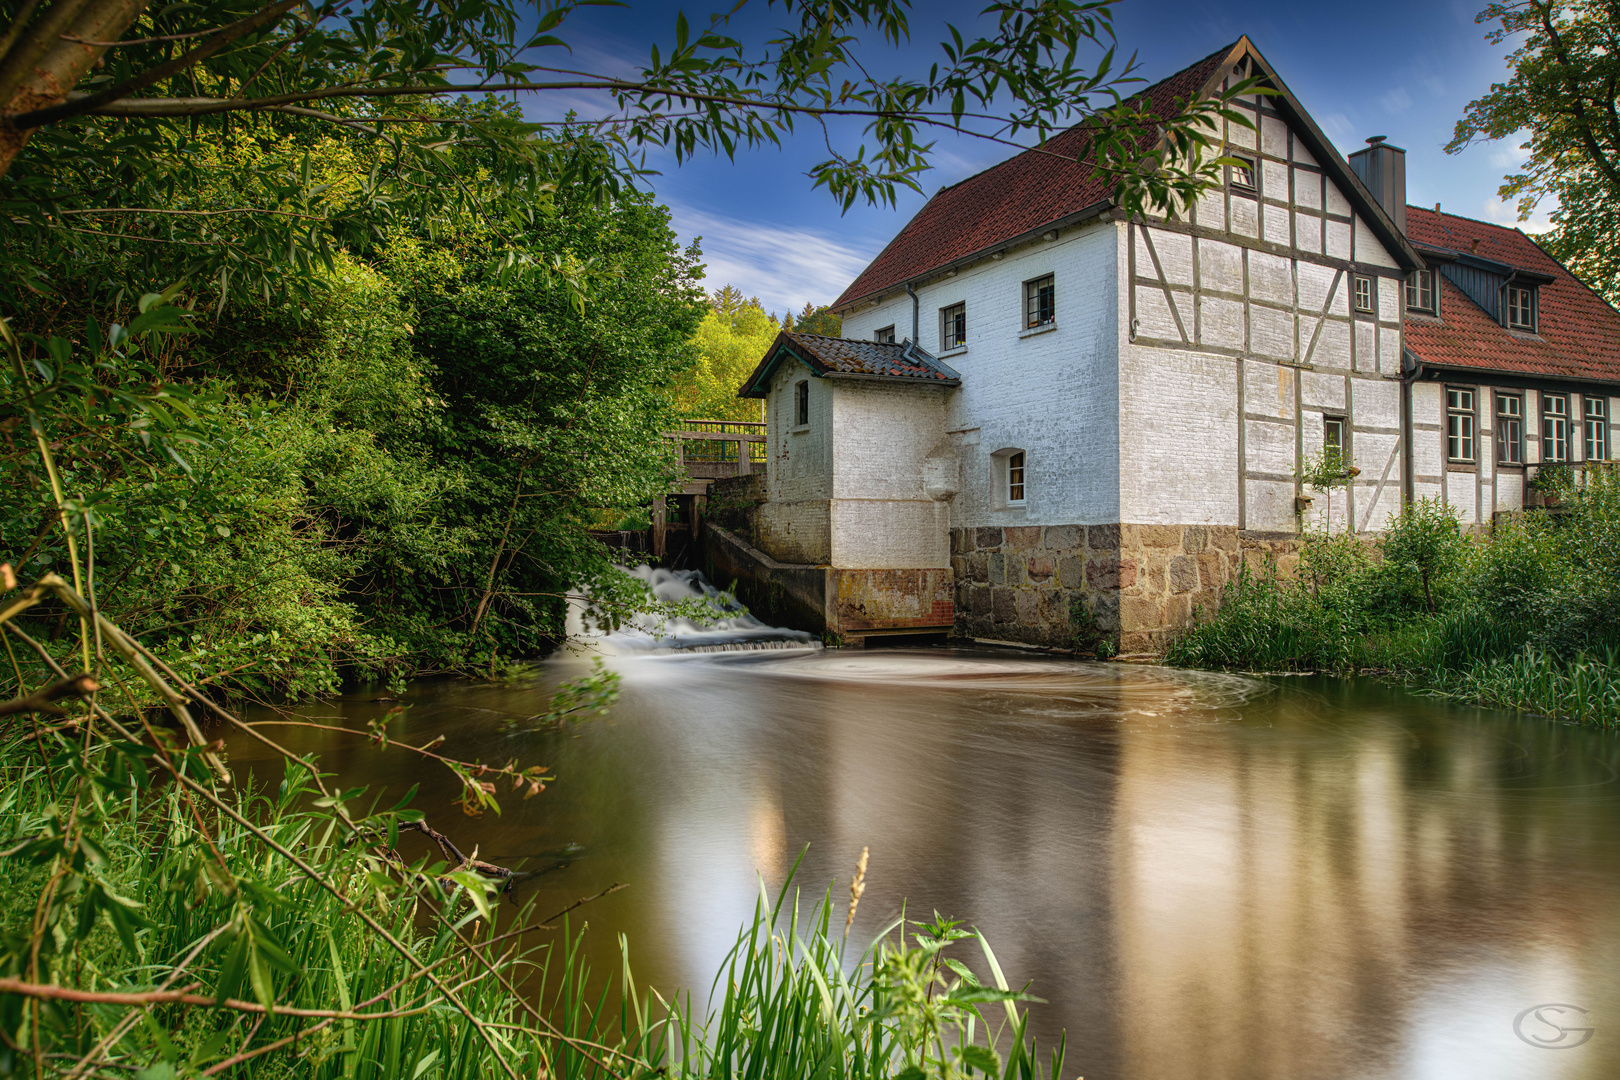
(1138,582)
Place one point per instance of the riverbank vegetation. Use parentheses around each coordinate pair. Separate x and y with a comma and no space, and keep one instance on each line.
(1523,616)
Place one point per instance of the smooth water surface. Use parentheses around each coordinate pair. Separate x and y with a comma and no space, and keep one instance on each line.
(1206,876)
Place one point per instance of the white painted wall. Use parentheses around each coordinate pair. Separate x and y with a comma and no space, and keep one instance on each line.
(1052,394)
(882,515)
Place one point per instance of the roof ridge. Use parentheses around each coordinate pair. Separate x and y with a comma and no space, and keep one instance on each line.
(1143,92)
(1465,217)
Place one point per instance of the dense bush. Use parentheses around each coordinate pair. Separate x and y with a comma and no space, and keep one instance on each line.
(1527,615)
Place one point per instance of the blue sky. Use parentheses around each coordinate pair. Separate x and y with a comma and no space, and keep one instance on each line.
(1404,70)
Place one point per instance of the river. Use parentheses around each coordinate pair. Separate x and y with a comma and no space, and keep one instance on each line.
(1205,876)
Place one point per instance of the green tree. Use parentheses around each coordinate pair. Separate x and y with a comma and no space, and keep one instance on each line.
(112,114)
(1562,94)
(819,320)
(730,341)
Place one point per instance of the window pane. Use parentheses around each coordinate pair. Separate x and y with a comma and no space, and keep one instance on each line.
(952,326)
(1333,433)
(1364,293)
(1555,428)
(1509,429)
(1015,478)
(801,404)
(1597,429)
(1039,301)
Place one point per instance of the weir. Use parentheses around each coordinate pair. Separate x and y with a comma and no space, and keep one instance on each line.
(736,630)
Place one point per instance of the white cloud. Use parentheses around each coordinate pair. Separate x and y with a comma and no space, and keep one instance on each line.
(782,265)
(1502,213)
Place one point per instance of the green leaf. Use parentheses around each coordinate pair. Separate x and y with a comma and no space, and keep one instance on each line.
(982,1058)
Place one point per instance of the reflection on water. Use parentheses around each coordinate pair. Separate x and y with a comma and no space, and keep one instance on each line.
(1206,876)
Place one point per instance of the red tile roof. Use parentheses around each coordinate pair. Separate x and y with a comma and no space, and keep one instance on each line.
(1018,196)
(1579,332)
(831,357)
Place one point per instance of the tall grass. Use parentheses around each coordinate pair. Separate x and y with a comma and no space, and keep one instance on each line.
(1526,617)
(787,1003)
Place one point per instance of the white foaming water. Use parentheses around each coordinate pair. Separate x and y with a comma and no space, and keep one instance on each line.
(735,630)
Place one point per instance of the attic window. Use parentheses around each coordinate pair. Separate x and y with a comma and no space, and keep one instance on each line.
(1420,292)
(884,336)
(1364,293)
(1521,308)
(1242,173)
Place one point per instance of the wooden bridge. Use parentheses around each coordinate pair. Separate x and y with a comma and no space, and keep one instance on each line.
(710,450)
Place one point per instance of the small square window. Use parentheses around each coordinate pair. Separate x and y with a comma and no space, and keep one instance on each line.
(1510,429)
(1333,433)
(1364,293)
(1040,302)
(1015,477)
(1243,173)
(801,404)
(1597,429)
(952,327)
(1460,424)
(1420,292)
(884,336)
(1521,308)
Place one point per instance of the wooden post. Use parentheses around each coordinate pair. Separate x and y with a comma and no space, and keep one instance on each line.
(658,527)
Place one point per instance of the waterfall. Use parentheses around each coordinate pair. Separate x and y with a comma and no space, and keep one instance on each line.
(735,630)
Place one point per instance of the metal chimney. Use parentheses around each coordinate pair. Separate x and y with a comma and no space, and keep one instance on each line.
(1382,168)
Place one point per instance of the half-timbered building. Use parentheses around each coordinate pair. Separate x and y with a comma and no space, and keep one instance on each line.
(1044,413)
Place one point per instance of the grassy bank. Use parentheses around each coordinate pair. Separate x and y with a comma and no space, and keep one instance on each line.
(169,929)
(1526,616)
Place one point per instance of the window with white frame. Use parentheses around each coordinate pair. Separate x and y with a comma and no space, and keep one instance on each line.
(1597,428)
(1040,302)
(1554,427)
(1460,424)
(801,404)
(952,327)
(1364,293)
(1015,478)
(1242,173)
(1510,429)
(1333,433)
(884,335)
(1521,308)
(1420,292)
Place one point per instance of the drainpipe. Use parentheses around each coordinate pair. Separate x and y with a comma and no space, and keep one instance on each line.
(915,308)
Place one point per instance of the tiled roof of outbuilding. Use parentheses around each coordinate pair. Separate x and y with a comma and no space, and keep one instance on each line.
(1579,333)
(832,357)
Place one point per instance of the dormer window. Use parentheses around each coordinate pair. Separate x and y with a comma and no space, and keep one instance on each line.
(884,336)
(1420,292)
(1243,173)
(1521,308)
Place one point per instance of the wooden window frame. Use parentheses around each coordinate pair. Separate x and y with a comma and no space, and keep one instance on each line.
(1331,423)
(1510,451)
(1032,290)
(1016,487)
(884,335)
(1462,425)
(1360,283)
(801,404)
(1596,425)
(1551,419)
(953,326)
(1235,174)
(1510,306)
